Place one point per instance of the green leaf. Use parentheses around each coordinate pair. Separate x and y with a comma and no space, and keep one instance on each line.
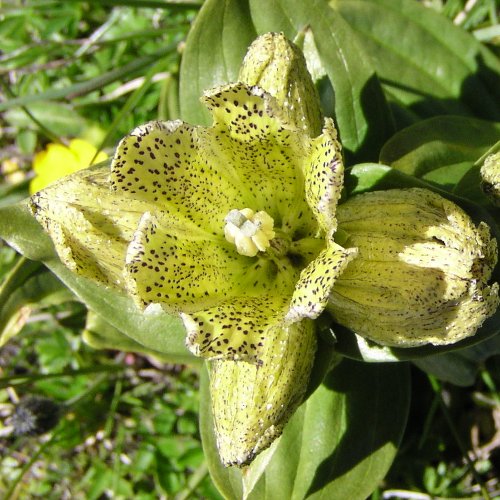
(59,118)
(444,151)
(28,285)
(157,331)
(426,63)
(339,443)
(443,141)
(214,50)
(99,334)
(23,233)
(460,367)
(360,110)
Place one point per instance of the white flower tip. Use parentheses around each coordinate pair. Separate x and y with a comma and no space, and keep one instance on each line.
(153,309)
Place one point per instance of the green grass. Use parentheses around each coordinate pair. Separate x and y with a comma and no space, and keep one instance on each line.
(128,424)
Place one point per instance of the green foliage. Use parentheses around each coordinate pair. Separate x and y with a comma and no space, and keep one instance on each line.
(407,88)
(84,55)
(319,454)
(128,426)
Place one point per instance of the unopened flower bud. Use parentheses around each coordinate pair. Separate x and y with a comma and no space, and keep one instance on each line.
(490,174)
(279,67)
(421,273)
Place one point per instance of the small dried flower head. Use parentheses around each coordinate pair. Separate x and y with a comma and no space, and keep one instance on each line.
(35,415)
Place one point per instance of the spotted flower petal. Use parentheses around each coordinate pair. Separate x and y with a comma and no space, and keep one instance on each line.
(251,403)
(180,268)
(237,328)
(67,210)
(324,177)
(188,270)
(260,150)
(316,281)
(161,163)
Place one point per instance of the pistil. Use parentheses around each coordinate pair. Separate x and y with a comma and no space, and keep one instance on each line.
(250,232)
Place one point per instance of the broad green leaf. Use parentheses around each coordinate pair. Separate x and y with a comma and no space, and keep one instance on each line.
(360,110)
(28,286)
(439,142)
(157,330)
(214,50)
(339,444)
(426,63)
(99,334)
(460,367)
(23,233)
(60,119)
(449,176)
(444,151)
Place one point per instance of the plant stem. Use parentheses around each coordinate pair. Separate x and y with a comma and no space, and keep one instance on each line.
(199,474)
(24,379)
(436,386)
(10,493)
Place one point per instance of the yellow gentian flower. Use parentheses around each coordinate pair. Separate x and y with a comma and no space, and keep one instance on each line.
(230,226)
(422,271)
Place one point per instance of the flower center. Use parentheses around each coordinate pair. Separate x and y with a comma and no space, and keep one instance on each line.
(251,232)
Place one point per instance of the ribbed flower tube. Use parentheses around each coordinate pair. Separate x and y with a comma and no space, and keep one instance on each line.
(422,271)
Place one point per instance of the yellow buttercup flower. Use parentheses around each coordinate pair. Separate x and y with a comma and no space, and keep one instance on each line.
(58,160)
